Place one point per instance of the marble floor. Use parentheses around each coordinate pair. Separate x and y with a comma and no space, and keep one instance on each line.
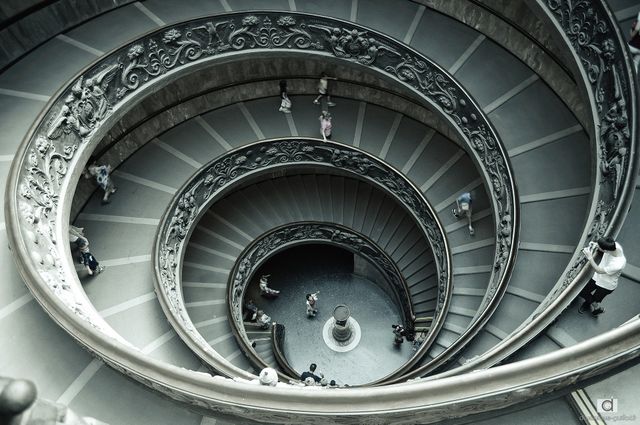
(307,269)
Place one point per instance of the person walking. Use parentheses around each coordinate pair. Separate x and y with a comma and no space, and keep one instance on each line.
(463,203)
(263,320)
(251,310)
(102,175)
(607,272)
(285,102)
(323,89)
(398,334)
(325,125)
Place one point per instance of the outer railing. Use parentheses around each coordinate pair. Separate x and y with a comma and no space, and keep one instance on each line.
(293,234)
(589,30)
(48,164)
(223,174)
(47,167)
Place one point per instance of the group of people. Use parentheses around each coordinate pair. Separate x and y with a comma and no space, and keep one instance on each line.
(325,118)
(255,314)
(101,173)
(400,333)
(313,377)
(259,316)
(603,282)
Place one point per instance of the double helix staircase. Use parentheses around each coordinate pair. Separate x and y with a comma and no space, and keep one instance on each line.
(549,151)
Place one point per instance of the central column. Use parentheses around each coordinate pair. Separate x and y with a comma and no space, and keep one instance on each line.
(341,331)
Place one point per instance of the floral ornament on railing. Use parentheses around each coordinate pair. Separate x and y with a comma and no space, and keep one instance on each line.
(434,83)
(261,249)
(225,172)
(210,39)
(591,33)
(83,108)
(39,195)
(354,44)
(589,29)
(263,156)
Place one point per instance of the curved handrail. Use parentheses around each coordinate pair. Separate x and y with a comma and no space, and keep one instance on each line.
(45,170)
(224,173)
(590,30)
(483,390)
(47,166)
(289,235)
(277,344)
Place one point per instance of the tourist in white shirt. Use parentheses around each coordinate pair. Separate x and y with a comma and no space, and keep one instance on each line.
(323,89)
(605,279)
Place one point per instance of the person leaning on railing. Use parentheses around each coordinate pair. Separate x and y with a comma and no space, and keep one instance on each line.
(605,279)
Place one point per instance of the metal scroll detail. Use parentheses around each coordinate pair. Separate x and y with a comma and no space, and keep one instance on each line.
(223,173)
(307,232)
(591,31)
(44,166)
(80,112)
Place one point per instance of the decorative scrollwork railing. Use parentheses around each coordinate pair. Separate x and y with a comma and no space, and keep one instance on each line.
(228,171)
(590,31)
(47,166)
(290,235)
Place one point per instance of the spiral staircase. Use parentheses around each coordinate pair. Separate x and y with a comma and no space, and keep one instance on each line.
(505,342)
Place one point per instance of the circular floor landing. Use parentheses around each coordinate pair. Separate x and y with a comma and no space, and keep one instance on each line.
(374,357)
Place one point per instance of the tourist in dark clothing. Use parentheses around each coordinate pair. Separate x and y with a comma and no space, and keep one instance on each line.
(310,373)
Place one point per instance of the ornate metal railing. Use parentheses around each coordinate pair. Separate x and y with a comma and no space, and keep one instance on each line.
(590,30)
(277,346)
(48,164)
(228,171)
(293,234)
(47,167)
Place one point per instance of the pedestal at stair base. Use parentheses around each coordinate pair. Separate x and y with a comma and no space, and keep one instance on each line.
(341,331)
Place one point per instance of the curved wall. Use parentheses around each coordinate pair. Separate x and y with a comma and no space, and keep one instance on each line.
(27,24)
